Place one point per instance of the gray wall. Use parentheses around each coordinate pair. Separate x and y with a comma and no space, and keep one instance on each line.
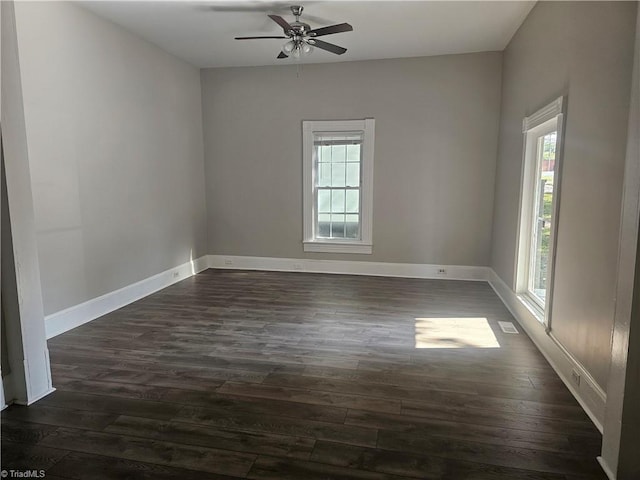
(583,50)
(435,150)
(114,130)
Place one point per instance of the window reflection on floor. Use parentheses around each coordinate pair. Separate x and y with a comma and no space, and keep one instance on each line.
(455,332)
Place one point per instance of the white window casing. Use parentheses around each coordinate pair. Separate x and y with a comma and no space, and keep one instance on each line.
(543,122)
(346,129)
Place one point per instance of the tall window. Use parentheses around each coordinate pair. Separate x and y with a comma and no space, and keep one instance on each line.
(338,175)
(538,207)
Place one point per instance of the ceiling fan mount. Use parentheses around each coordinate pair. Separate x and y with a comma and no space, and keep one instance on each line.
(301,37)
(297,28)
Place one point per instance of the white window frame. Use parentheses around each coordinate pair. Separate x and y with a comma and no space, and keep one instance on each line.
(311,242)
(546,120)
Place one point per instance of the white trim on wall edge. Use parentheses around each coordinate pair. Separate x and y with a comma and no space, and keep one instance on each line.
(65,320)
(8,393)
(589,394)
(605,466)
(7,385)
(3,404)
(384,269)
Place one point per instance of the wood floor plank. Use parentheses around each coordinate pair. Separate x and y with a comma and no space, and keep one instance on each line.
(425,381)
(273,375)
(508,434)
(425,395)
(507,456)
(112,404)
(313,397)
(281,425)
(419,465)
(66,365)
(149,451)
(228,405)
(82,466)
(21,456)
(270,468)
(498,418)
(166,404)
(21,432)
(40,413)
(206,436)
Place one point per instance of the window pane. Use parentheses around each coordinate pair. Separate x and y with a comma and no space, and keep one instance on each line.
(337,226)
(352,229)
(337,201)
(353,174)
(324,153)
(338,174)
(353,201)
(353,153)
(338,153)
(324,174)
(324,201)
(542,213)
(324,226)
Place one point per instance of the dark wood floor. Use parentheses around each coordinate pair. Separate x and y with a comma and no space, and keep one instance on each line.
(300,376)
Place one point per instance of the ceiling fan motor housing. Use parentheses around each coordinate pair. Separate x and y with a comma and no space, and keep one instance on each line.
(298,28)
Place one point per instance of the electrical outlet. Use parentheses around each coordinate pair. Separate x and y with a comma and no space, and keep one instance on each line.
(442,271)
(575,376)
(228,261)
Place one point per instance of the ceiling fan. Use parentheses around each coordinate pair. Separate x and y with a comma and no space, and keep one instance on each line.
(302,38)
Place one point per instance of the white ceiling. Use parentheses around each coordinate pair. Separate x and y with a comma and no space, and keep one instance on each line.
(202,33)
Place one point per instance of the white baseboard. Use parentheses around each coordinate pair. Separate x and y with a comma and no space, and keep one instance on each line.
(589,394)
(72,317)
(408,270)
(33,400)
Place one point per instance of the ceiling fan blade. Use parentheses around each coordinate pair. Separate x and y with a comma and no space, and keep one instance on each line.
(330,47)
(280,21)
(255,38)
(340,27)
(282,55)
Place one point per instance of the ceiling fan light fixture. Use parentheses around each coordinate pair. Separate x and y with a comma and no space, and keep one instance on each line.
(297,48)
(289,47)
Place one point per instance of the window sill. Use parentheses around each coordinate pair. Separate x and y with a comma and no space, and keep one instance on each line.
(532,306)
(337,247)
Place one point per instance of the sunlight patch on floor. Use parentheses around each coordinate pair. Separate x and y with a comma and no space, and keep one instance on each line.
(455,332)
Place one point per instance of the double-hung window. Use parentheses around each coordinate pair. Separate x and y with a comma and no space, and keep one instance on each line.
(538,208)
(338,185)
